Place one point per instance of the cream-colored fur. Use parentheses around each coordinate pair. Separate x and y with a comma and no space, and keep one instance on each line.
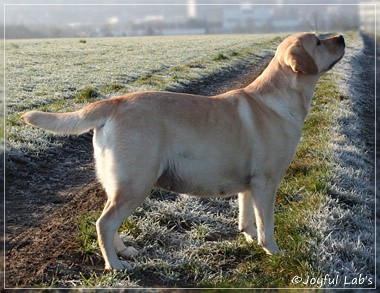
(240,142)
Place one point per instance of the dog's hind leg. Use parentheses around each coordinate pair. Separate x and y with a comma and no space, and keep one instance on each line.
(127,171)
(119,206)
(126,190)
(246,216)
(122,250)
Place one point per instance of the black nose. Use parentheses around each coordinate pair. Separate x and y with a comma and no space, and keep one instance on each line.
(340,39)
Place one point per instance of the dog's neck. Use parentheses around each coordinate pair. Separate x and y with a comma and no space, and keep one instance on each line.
(277,82)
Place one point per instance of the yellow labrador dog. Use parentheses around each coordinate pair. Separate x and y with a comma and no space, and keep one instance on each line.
(240,142)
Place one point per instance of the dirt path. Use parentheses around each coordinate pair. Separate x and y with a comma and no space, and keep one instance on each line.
(346,249)
(45,200)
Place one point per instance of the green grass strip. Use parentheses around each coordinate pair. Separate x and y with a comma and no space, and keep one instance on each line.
(301,194)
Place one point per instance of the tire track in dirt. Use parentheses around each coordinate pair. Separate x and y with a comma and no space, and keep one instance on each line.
(345,222)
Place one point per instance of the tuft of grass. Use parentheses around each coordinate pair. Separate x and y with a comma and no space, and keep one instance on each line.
(234,54)
(82,41)
(113,87)
(175,77)
(150,80)
(88,94)
(14,46)
(86,240)
(14,120)
(200,231)
(131,227)
(220,57)
(194,65)
(106,279)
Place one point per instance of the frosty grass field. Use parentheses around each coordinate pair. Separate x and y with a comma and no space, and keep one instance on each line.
(325,205)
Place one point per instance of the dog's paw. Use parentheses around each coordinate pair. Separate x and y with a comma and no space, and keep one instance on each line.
(119,266)
(271,248)
(128,252)
(250,235)
(248,238)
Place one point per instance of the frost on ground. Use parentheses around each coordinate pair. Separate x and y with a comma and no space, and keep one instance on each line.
(50,73)
(346,222)
(39,72)
(43,168)
(182,241)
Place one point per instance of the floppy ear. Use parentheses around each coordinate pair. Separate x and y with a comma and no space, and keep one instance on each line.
(299,60)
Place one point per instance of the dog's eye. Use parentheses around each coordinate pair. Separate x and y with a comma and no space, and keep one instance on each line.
(319,42)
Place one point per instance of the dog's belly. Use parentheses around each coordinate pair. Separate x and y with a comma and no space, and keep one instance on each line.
(212,188)
(203,181)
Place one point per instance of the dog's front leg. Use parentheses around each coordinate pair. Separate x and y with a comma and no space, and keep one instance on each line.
(264,190)
(246,216)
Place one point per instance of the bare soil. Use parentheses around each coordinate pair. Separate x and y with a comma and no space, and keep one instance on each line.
(44,200)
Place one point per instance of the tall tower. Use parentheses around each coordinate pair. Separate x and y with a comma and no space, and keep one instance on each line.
(191,9)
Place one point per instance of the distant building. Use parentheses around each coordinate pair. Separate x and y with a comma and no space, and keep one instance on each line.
(191,9)
(190,17)
(183,31)
(246,18)
(286,25)
(367,16)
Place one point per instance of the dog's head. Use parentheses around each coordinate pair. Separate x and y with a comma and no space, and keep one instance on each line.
(306,54)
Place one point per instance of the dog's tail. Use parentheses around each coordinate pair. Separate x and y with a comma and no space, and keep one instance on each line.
(93,116)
